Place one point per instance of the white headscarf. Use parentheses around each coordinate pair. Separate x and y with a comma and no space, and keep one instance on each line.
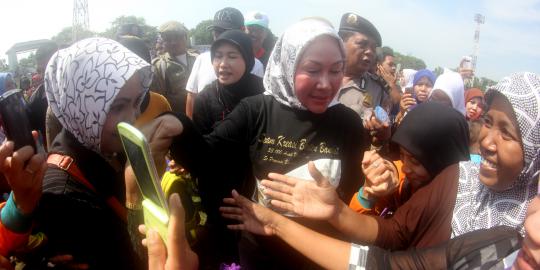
(479,207)
(82,82)
(408,76)
(282,64)
(451,83)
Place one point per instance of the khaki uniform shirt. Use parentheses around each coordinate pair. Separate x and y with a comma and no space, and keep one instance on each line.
(364,92)
(170,78)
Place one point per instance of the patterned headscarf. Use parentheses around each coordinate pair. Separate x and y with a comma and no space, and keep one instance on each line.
(477,206)
(451,83)
(282,64)
(82,82)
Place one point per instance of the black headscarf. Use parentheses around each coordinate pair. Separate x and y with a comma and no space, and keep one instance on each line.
(249,84)
(436,135)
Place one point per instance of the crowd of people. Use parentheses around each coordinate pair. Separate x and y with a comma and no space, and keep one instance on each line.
(309,151)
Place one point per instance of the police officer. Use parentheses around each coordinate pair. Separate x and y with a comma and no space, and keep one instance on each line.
(172,69)
(360,90)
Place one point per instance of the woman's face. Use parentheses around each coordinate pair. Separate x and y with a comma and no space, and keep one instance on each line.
(500,146)
(125,108)
(474,108)
(319,74)
(415,172)
(441,97)
(228,63)
(422,89)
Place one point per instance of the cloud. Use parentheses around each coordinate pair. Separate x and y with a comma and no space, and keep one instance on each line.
(513,11)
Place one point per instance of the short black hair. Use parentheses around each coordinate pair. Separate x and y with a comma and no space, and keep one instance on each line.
(383,53)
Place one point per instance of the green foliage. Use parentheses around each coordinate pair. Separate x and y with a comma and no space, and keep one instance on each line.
(483,83)
(409,61)
(201,35)
(65,37)
(150,33)
(438,71)
(3,66)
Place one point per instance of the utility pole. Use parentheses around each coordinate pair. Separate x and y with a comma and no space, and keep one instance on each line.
(479,19)
(80,19)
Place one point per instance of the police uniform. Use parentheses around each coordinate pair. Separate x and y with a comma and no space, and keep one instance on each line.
(171,75)
(366,91)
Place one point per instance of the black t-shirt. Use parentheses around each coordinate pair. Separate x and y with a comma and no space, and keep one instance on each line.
(279,139)
(261,136)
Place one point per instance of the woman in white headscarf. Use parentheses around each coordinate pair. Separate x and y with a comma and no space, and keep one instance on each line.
(296,121)
(91,86)
(449,90)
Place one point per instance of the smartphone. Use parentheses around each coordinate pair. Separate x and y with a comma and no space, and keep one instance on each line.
(13,111)
(155,207)
(410,91)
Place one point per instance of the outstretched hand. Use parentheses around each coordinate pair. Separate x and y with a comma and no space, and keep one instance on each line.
(312,199)
(160,134)
(177,254)
(255,218)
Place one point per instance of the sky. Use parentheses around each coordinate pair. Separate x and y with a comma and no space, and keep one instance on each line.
(438,32)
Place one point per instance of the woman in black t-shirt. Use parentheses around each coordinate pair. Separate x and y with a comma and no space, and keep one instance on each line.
(297,120)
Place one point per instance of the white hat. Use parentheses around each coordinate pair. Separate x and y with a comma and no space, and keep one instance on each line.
(256,18)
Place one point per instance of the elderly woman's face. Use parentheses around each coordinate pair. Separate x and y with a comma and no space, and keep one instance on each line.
(125,108)
(500,146)
(319,74)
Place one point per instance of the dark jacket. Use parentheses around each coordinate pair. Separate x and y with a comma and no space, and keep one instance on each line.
(79,221)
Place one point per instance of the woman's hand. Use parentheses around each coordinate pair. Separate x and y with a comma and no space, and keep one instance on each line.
(381,175)
(24,172)
(255,218)
(312,199)
(160,134)
(406,102)
(177,254)
(529,255)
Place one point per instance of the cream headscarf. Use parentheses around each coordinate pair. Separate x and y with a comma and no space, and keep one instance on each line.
(451,83)
(282,64)
(83,80)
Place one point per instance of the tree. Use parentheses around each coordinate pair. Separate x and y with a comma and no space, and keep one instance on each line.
(3,66)
(409,61)
(65,37)
(201,35)
(483,83)
(149,35)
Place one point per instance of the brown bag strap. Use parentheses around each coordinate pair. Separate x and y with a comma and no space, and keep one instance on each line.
(67,164)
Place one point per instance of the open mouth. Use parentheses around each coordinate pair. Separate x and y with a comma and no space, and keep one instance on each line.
(486,164)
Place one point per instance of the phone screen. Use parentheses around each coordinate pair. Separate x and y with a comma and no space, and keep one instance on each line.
(142,172)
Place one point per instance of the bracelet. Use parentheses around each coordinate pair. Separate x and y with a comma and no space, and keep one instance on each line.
(13,218)
(133,206)
(365,202)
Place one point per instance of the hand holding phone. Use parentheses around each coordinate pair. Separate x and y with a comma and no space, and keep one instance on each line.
(155,208)
(408,100)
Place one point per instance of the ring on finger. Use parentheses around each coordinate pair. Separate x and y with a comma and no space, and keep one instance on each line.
(28,170)
(375,165)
